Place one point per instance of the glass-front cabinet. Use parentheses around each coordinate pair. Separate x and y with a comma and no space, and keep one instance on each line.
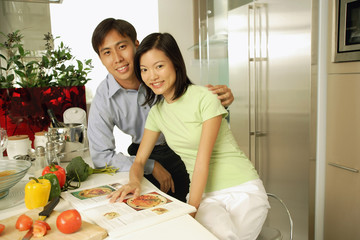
(211,38)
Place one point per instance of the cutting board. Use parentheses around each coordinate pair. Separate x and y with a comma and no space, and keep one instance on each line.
(88,231)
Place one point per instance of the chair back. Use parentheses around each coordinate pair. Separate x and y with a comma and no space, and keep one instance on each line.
(269,233)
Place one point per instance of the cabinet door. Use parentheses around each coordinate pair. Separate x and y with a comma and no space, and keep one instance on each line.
(342,197)
(342,204)
(343,120)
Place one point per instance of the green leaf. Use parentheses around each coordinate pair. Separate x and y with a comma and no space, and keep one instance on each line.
(10,78)
(45,61)
(19,64)
(80,65)
(21,50)
(20,73)
(31,63)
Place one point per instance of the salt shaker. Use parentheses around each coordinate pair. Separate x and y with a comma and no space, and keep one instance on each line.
(40,139)
(40,162)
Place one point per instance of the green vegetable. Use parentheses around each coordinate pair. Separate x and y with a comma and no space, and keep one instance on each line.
(55,190)
(79,170)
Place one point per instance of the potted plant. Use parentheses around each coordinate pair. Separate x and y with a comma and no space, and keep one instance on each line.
(30,83)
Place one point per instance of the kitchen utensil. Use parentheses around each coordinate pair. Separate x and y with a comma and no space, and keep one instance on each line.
(71,137)
(43,215)
(11,172)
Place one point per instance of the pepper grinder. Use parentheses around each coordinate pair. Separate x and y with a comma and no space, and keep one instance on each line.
(51,156)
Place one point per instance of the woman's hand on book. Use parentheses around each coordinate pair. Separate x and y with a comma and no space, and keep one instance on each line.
(120,194)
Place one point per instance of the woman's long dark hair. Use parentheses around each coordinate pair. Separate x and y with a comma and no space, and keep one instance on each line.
(167,44)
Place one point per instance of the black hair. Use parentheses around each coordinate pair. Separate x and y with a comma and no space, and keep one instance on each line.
(104,27)
(167,44)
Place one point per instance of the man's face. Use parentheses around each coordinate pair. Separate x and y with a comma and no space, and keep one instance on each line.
(117,55)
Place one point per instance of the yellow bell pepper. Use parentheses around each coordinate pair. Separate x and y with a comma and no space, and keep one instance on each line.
(37,193)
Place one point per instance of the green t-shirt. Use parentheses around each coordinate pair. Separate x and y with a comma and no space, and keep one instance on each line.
(181,124)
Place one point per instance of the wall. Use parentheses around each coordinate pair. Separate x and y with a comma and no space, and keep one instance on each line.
(77,27)
(176,18)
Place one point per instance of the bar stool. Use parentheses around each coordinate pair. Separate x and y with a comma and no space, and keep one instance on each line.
(270,233)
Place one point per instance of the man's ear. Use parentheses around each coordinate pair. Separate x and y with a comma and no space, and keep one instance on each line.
(137,43)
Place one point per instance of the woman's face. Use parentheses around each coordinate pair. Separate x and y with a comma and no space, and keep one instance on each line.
(158,73)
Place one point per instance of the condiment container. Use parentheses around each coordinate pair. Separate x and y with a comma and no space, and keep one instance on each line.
(18,145)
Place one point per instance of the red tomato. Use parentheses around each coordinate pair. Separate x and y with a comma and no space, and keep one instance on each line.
(44,223)
(69,221)
(23,222)
(39,229)
(2,227)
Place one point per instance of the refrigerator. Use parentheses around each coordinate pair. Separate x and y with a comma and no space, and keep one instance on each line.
(262,51)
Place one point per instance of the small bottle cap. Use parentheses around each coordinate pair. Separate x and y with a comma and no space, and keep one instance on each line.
(50,146)
(40,150)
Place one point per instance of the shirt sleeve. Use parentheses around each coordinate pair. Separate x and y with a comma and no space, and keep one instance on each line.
(151,121)
(210,106)
(102,141)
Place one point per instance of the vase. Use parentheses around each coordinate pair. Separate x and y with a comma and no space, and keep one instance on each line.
(24,110)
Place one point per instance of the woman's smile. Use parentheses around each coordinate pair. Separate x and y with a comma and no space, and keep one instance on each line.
(157,84)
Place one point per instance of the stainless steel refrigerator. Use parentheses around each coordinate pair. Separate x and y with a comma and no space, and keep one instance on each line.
(268,57)
(269,52)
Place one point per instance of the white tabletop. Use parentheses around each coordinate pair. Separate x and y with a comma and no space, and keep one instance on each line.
(183,227)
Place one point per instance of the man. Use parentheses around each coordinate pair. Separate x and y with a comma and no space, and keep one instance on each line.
(119,102)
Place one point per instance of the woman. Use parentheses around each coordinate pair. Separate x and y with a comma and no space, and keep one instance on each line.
(226,190)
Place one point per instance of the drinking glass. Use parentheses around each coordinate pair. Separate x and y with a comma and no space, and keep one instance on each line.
(3,141)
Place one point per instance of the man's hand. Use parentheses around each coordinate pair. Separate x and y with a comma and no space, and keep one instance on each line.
(224,94)
(163,177)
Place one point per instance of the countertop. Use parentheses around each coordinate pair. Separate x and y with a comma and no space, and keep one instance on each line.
(183,227)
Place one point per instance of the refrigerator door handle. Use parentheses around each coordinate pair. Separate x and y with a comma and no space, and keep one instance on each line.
(258,134)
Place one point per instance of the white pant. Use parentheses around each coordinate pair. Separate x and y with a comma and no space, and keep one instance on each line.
(235,213)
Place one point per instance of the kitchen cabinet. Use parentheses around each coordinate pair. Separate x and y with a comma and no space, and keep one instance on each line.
(342,195)
(342,208)
(342,184)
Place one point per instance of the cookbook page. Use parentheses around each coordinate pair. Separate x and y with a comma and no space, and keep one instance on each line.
(136,213)
(120,218)
(93,196)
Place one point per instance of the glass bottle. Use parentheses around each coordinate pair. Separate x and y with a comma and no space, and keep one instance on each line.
(54,121)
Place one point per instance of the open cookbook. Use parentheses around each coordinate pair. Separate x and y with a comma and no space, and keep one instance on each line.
(121,218)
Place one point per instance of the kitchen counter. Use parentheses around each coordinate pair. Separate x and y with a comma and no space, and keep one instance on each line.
(183,227)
